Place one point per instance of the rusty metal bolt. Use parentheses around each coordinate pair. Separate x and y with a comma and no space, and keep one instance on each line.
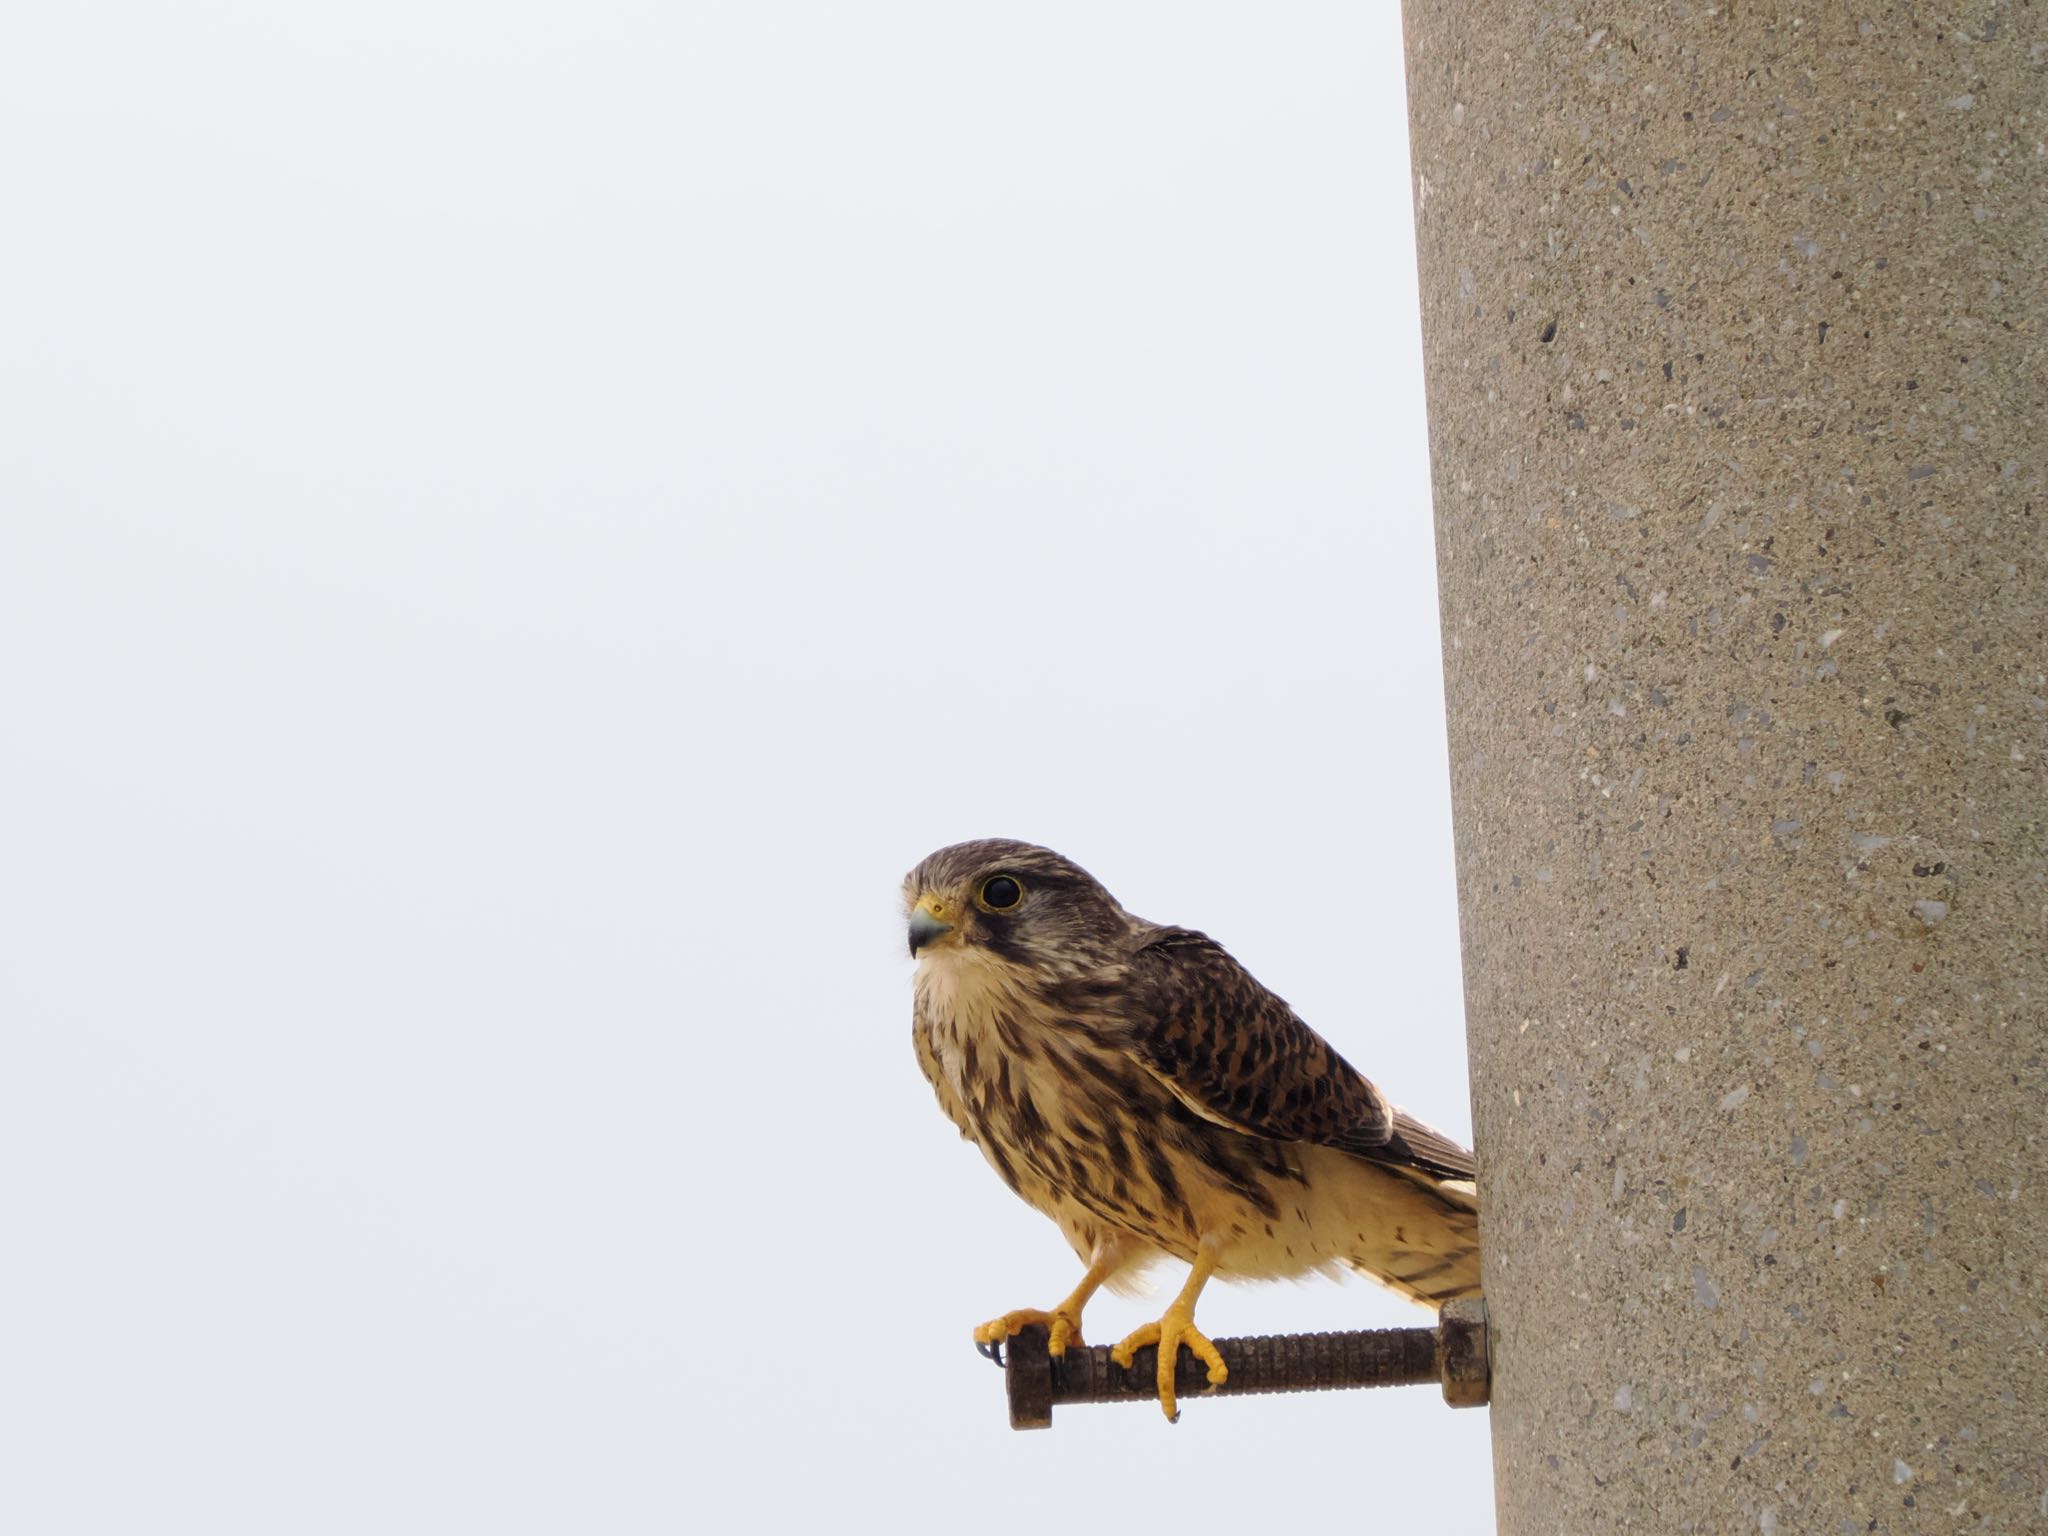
(1462,1364)
(1452,1353)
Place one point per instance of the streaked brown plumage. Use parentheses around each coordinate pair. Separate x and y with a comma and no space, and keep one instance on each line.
(1133,1082)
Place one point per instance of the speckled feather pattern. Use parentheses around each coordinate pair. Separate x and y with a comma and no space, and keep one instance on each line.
(1137,1085)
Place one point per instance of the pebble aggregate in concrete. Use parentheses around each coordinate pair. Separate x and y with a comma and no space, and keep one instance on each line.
(1733,323)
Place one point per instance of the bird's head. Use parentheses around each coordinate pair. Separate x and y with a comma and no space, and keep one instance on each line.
(1004,900)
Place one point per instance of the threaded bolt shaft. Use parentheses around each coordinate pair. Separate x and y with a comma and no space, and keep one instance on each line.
(1453,1353)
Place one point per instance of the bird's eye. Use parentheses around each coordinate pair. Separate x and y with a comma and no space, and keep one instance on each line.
(1000,893)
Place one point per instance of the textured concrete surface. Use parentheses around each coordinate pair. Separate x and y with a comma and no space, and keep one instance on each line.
(1733,320)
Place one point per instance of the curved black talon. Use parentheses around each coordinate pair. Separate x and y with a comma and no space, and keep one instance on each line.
(990,1351)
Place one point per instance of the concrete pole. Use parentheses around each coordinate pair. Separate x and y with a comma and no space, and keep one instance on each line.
(1734,326)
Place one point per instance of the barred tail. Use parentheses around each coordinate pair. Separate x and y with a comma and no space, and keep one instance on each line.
(1424,1243)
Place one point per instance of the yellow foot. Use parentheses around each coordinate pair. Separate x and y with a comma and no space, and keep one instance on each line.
(1064,1326)
(1169,1333)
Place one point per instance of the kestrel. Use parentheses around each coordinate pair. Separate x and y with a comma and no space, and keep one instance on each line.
(1135,1084)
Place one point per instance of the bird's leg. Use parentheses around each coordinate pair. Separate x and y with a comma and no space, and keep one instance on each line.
(1176,1328)
(1064,1320)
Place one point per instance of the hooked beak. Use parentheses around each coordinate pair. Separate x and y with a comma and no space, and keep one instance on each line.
(925,924)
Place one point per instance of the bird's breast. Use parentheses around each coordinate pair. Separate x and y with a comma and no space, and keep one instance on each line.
(1031,1086)
(974,1009)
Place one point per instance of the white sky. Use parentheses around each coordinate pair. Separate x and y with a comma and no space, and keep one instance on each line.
(520,524)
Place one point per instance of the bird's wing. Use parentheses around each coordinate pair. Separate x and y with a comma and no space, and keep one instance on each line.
(1425,1147)
(1236,1054)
